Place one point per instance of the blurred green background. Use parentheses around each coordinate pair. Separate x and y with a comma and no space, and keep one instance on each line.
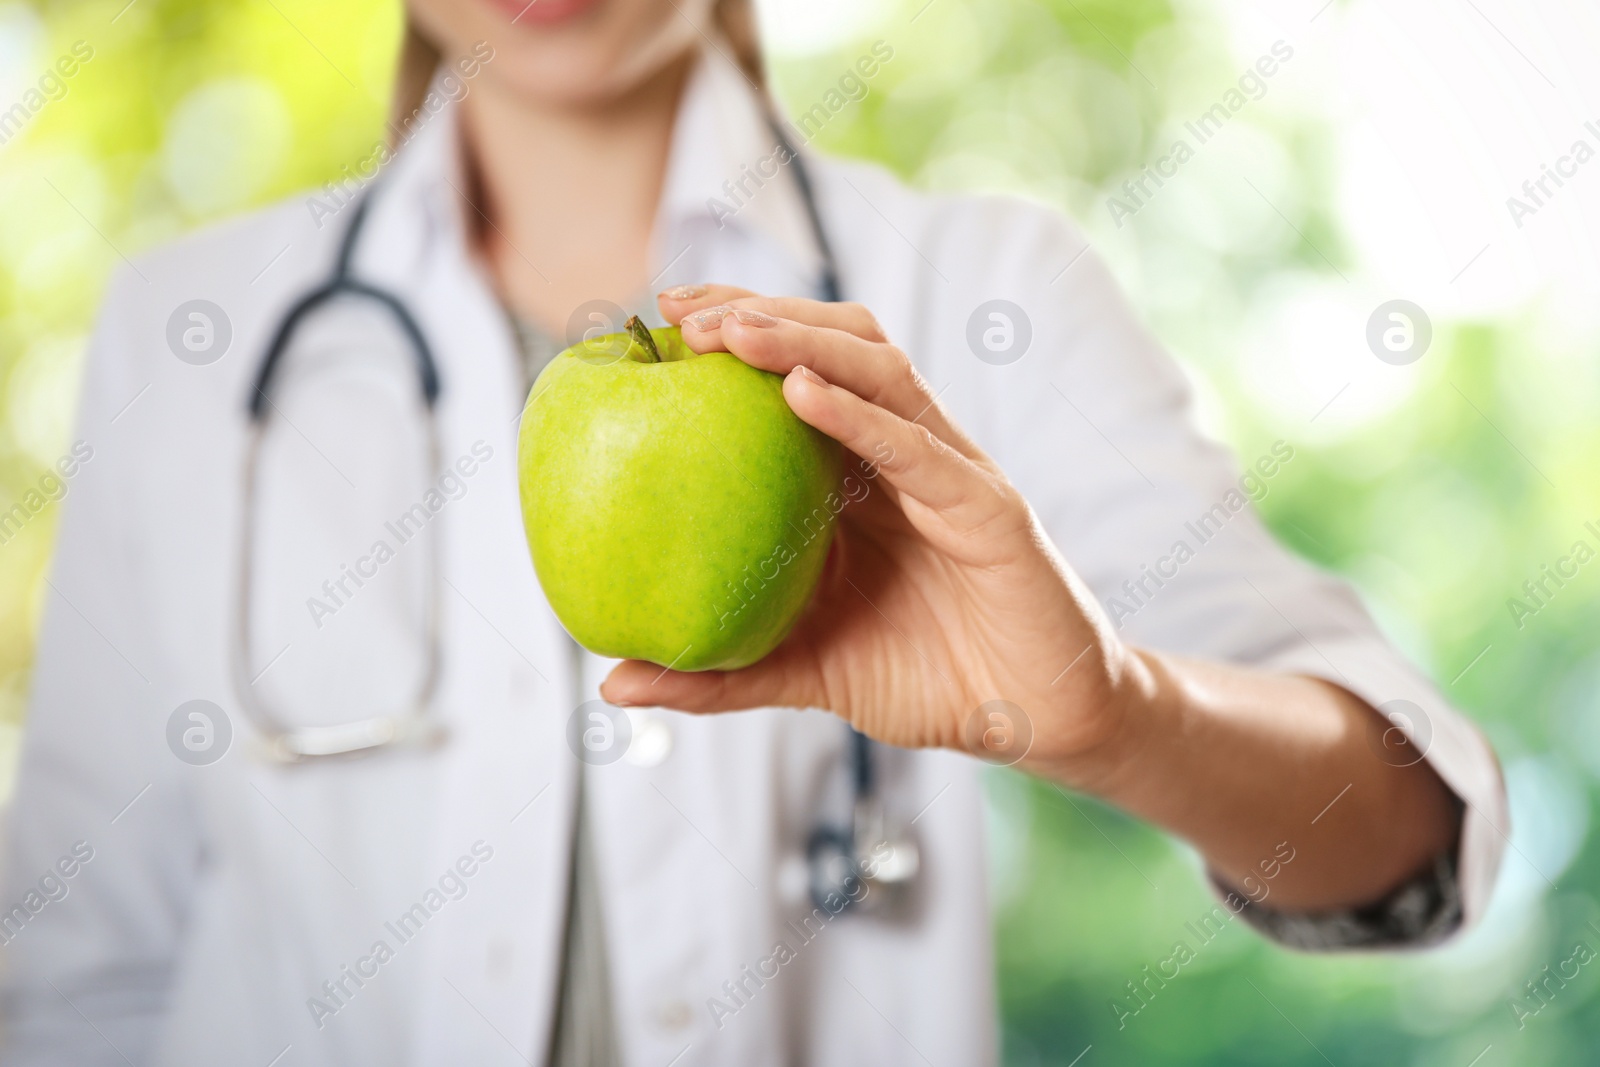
(1366,170)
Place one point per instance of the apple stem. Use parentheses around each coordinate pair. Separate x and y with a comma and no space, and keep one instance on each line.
(642,339)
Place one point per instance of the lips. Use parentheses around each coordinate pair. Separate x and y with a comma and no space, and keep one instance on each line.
(541,12)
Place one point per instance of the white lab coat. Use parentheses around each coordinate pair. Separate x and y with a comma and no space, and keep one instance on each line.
(220,898)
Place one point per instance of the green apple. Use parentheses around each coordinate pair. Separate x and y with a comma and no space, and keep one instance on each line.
(676,509)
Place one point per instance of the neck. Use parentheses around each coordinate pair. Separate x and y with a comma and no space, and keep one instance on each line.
(566,194)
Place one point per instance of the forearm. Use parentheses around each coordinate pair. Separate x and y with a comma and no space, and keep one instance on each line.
(1239,761)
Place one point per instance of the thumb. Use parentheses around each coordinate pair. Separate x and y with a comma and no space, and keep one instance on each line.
(786,678)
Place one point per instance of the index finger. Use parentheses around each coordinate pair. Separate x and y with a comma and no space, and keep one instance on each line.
(680,302)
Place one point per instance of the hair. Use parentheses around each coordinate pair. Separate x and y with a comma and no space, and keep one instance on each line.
(734,20)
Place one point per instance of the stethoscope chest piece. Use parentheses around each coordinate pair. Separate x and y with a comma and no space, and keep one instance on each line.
(869,866)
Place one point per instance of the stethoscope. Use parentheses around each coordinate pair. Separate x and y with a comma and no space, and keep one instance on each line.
(413,726)
(864,865)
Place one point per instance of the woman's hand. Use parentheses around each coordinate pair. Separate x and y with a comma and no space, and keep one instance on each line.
(942,592)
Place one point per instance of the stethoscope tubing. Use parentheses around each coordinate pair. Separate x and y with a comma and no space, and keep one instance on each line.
(343,283)
(415,726)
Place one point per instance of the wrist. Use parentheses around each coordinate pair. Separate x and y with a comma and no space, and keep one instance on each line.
(1138,706)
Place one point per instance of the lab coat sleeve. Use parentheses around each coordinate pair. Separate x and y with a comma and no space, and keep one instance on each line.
(101,845)
(1096,424)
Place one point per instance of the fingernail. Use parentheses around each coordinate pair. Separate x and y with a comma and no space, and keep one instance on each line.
(707,319)
(685,292)
(752,317)
(811,376)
